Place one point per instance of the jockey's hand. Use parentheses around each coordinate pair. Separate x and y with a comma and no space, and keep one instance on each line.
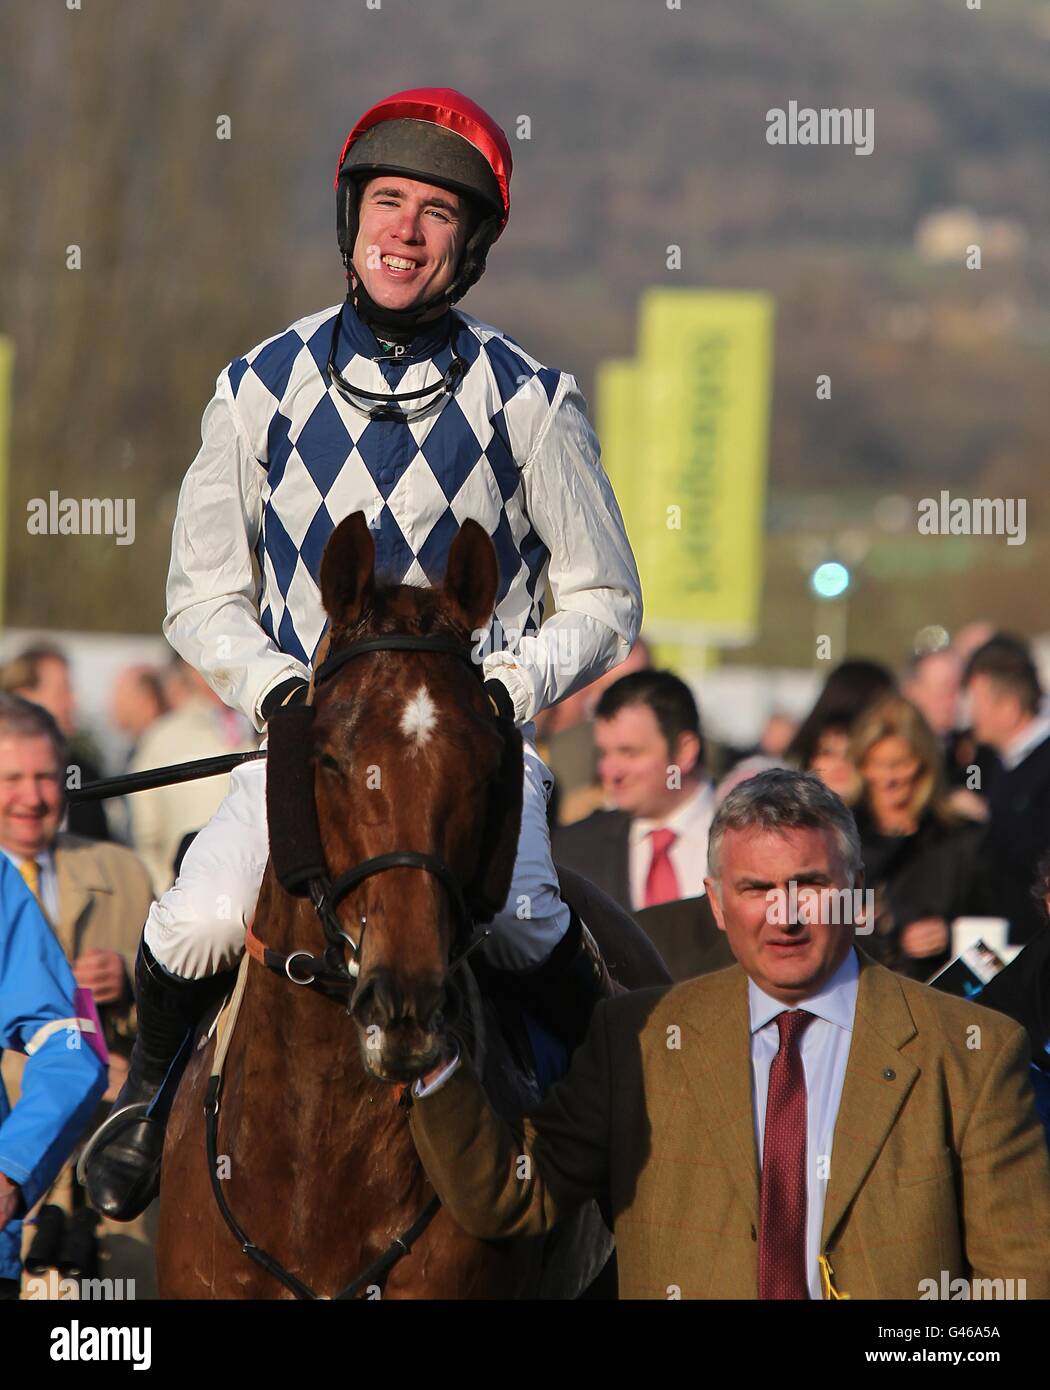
(926,937)
(290,692)
(103,973)
(10,1200)
(501,699)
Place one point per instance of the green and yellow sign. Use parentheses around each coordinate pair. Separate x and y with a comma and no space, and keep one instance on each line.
(684,431)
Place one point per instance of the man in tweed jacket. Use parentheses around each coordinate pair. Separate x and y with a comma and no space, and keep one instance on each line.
(921,1166)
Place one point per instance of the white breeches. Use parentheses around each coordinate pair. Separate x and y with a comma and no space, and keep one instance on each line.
(197,928)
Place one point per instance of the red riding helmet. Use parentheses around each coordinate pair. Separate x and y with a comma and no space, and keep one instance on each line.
(436,135)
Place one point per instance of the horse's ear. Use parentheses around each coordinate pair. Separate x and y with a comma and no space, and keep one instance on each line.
(348,570)
(472,577)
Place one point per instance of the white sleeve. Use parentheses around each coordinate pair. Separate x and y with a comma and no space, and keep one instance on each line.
(592,571)
(214,580)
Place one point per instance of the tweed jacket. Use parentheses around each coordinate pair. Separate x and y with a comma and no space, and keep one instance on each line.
(937,1164)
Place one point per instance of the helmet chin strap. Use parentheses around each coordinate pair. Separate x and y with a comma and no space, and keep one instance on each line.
(394,325)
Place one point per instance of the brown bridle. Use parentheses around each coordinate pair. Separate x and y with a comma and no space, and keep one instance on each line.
(330,972)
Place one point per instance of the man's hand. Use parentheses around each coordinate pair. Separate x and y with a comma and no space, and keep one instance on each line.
(926,937)
(103,973)
(10,1200)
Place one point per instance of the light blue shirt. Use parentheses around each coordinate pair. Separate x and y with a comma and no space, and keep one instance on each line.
(825,1048)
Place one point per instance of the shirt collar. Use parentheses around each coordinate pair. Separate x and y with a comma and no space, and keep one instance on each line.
(1034,733)
(43,858)
(835,1002)
(682,820)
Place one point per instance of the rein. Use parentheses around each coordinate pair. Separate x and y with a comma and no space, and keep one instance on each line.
(330,973)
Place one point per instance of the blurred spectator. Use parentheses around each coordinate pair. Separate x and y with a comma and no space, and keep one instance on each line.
(138,700)
(95,896)
(41,673)
(933,683)
(1004,697)
(199,726)
(919,855)
(831,761)
(565,733)
(653,847)
(849,688)
(60,1083)
(777,733)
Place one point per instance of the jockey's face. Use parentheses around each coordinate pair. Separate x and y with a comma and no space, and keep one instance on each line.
(31,796)
(410,221)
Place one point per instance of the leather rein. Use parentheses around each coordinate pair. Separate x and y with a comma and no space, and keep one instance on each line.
(332,975)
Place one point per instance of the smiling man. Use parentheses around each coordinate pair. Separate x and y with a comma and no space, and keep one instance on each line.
(650,846)
(418,416)
(804,1124)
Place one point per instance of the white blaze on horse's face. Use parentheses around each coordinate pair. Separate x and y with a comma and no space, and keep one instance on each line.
(419,717)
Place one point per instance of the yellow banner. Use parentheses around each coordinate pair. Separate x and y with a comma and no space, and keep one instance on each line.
(7,361)
(689,461)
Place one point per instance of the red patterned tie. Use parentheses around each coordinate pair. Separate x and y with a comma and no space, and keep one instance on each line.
(661,884)
(782,1219)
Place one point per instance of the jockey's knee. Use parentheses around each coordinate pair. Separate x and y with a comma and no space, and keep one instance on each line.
(194,932)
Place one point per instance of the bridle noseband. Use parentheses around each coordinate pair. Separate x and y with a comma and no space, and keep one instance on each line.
(330,972)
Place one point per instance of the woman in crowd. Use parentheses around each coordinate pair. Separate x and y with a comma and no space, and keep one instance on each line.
(919,853)
(821,744)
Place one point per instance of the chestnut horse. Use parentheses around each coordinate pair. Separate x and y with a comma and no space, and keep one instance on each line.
(314,1163)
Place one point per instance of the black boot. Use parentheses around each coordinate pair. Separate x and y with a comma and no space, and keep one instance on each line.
(120,1166)
(563,991)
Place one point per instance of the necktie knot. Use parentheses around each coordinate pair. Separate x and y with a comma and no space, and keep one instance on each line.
(791,1023)
(30,871)
(662,840)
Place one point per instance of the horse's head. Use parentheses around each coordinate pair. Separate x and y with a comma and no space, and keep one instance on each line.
(409,755)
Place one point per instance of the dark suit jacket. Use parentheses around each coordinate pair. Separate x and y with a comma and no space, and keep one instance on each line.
(598,847)
(1018,833)
(684,932)
(687,936)
(938,1162)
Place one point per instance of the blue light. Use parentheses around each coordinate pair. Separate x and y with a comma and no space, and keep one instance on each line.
(830,579)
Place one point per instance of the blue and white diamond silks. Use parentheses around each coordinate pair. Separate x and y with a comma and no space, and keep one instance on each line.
(416,480)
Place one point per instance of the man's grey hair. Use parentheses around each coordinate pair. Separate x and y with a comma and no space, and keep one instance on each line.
(21,718)
(782,799)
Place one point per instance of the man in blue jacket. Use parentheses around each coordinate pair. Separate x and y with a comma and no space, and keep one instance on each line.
(64,1076)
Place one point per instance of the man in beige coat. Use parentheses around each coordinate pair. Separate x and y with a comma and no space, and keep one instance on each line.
(95,896)
(902,1149)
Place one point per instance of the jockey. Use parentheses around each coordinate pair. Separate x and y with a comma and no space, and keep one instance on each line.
(420,416)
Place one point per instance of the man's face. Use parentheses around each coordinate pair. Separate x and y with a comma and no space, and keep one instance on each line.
(789,961)
(634,761)
(995,712)
(934,690)
(31,795)
(411,222)
(54,692)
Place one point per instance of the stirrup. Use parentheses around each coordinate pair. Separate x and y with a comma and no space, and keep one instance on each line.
(127,1115)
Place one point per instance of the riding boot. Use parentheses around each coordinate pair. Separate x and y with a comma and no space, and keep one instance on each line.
(563,991)
(121,1164)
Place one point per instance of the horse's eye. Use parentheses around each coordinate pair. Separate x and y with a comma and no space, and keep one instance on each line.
(326,760)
